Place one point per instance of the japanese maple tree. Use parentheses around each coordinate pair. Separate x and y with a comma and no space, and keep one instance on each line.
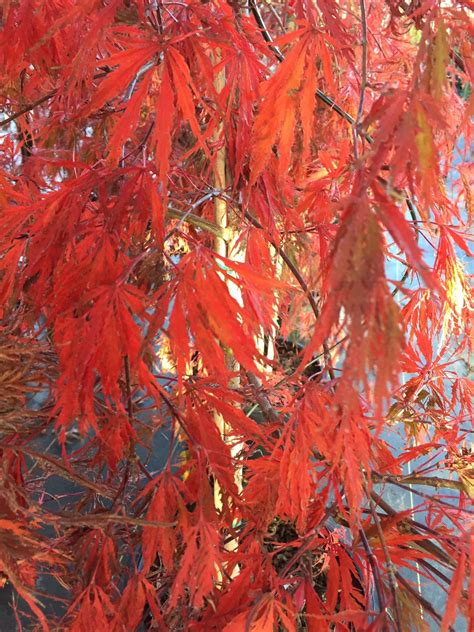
(233,233)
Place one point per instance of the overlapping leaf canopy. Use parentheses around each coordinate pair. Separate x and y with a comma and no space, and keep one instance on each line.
(182,184)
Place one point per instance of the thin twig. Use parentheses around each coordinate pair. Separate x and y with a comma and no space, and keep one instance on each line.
(145,68)
(27,108)
(433,570)
(131,450)
(66,471)
(277,17)
(431,481)
(429,497)
(421,600)
(141,144)
(95,518)
(307,541)
(390,568)
(363,85)
(440,554)
(193,207)
(30,106)
(265,406)
(375,570)
(302,283)
(128,388)
(322,96)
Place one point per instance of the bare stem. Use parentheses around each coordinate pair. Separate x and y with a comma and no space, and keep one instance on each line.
(390,568)
(431,481)
(200,222)
(304,286)
(31,106)
(375,570)
(363,84)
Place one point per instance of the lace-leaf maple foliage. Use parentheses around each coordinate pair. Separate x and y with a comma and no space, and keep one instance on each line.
(183,185)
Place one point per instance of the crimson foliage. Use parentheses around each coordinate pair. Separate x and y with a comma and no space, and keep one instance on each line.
(200,201)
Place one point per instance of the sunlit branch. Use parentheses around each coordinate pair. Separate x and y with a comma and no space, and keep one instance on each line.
(431,481)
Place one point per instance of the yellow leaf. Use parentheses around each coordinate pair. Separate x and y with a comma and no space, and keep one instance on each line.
(463,464)
(467,480)
(424,140)
(439,59)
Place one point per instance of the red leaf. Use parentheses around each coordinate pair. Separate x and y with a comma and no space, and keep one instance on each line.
(314,607)
(160,540)
(455,590)
(129,62)
(132,604)
(125,127)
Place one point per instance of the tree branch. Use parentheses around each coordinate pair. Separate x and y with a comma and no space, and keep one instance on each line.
(304,286)
(61,469)
(363,85)
(431,481)
(440,555)
(200,222)
(390,567)
(223,233)
(322,96)
(375,570)
(31,106)
(106,518)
